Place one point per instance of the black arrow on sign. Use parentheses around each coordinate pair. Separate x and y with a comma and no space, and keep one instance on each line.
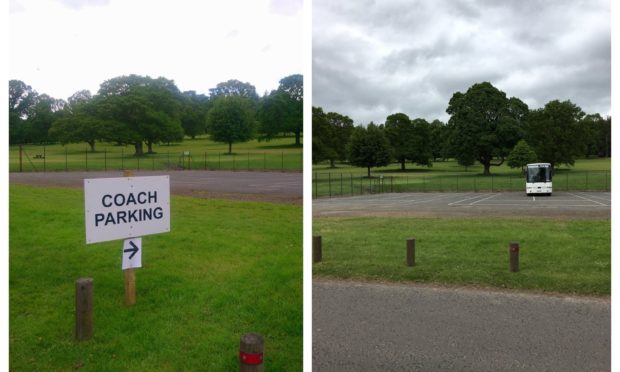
(133,250)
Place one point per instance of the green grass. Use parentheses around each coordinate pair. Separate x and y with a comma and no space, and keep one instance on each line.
(570,256)
(225,269)
(587,174)
(277,154)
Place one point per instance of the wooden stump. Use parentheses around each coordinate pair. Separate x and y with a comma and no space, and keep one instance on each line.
(84,309)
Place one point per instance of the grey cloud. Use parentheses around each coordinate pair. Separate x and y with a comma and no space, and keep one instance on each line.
(370,58)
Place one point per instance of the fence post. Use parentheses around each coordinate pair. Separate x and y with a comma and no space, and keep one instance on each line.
(411,252)
(316,185)
(251,348)
(606,181)
(317,248)
(513,250)
(351,188)
(83,309)
(329,181)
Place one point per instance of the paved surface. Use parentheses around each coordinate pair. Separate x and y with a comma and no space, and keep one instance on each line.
(267,186)
(376,327)
(510,204)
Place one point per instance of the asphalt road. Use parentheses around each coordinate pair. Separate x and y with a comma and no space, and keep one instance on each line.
(274,186)
(377,327)
(508,204)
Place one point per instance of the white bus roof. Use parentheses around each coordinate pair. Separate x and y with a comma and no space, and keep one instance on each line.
(538,164)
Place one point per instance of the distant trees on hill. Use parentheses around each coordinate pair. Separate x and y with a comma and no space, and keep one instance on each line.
(485,126)
(140,110)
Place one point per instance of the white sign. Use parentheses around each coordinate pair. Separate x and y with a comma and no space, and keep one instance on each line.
(126,207)
(132,253)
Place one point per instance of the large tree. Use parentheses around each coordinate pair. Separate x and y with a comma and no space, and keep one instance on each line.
(485,124)
(369,147)
(193,113)
(521,155)
(231,120)
(399,132)
(330,135)
(234,88)
(555,132)
(22,99)
(282,110)
(78,122)
(140,110)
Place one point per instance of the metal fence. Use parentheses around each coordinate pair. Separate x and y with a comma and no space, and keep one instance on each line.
(341,184)
(46,159)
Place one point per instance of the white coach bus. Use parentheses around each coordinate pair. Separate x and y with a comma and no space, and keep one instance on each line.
(538,179)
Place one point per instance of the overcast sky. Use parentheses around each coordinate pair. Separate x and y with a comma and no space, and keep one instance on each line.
(371,58)
(61,46)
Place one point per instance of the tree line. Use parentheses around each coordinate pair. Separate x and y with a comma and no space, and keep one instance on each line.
(143,111)
(485,126)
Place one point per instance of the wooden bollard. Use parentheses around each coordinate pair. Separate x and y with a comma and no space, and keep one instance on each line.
(130,274)
(317,250)
(411,252)
(83,309)
(251,350)
(513,250)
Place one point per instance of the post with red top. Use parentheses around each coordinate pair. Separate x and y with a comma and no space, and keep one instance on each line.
(317,249)
(513,250)
(411,252)
(251,350)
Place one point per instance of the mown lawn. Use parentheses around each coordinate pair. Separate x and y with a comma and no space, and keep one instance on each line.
(200,153)
(569,256)
(225,269)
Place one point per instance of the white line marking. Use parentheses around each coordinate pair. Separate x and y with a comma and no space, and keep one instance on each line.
(590,200)
(473,197)
(433,199)
(478,201)
(596,197)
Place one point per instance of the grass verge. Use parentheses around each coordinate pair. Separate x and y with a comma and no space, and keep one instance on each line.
(569,256)
(225,269)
